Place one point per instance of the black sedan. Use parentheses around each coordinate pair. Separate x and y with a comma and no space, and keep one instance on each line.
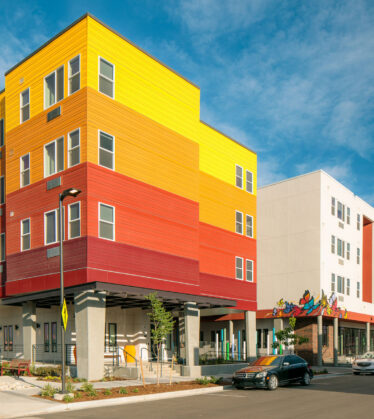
(273,370)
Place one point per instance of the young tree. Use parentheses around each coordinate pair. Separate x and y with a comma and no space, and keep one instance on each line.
(163,325)
(287,337)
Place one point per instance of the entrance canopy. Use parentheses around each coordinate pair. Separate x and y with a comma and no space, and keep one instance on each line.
(124,296)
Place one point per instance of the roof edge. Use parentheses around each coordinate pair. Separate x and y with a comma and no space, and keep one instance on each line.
(107,27)
(230,138)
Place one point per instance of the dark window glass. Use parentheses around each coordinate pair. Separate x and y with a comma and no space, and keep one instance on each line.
(265,338)
(46,337)
(258,338)
(54,336)
(112,335)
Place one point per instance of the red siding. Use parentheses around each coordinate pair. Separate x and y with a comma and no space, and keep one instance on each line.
(367,263)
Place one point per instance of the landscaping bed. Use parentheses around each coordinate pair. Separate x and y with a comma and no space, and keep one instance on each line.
(88,393)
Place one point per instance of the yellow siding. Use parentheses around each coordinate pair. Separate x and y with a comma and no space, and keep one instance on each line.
(57,53)
(31,137)
(142,83)
(2,105)
(2,116)
(144,150)
(219,155)
(219,200)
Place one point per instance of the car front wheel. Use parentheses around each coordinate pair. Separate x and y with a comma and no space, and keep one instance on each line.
(306,379)
(273,382)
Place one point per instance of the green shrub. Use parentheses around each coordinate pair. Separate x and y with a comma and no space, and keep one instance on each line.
(202,381)
(123,390)
(107,392)
(69,387)
(87,387)
(92,393)
(215,380)
(135,390)
(48,371)
(77,395)
(68,399)
(48,391)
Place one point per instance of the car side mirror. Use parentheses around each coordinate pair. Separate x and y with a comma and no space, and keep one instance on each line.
(286,364)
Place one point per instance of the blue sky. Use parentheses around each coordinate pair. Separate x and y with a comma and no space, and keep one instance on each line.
(293,80)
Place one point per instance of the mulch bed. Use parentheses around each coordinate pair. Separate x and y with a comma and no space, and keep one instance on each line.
(136,391)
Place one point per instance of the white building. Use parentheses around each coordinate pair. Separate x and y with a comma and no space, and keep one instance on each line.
(315,262)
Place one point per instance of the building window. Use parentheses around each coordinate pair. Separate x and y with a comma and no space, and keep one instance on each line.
(358,256)
(258,338)
(341,248)
(54,157)
(2,247)
(112,336)
(46,337)
(325,335)
(249,270)
(52,226)
(358,221)
(74,148)
(238,222)
(54,87)
(348,215)
(332,205)
(358,290)
(2,132)
(333,285)
(265,335)
(54,336)
(74,220)
(25,234)
(2,190)
(348,251)
(106,222)
(25,170)
(340,284)
(74,75)
(249,225)
(106,150)
(340,212)
(8,338)
(249,181)
(332,244)
(25,105)
(239,177)
(106,77)
(348,286)
(238,267)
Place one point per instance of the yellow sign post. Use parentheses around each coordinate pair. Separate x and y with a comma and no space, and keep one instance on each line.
(64,314)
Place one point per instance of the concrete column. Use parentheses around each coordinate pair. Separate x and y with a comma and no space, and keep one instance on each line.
(278,324)
(336,340)
(250,335)
(192,333)
(319,337)
(90,329)
(367,337)
(231,332)
(28,329)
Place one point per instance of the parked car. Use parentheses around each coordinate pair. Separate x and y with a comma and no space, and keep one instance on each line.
(273,370)
(363,364)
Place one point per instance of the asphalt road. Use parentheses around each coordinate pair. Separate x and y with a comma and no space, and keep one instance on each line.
(328,397)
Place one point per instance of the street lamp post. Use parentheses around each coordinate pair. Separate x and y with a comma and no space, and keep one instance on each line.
(67,192)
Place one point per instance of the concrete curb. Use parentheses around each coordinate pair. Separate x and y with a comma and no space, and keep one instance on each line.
(118,401)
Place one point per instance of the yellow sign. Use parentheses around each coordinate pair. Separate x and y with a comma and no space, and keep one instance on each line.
(64,315)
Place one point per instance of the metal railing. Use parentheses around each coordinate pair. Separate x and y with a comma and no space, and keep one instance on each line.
(210,357)
(117,355)
(51,354)
(8,352)
(163,360)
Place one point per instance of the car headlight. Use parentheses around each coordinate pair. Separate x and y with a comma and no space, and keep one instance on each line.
(261,374)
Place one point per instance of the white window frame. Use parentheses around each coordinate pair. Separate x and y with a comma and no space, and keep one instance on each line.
(242,176)
(247,216)
(348,251)
(342,218)
(241,224)
(348,215)
(69,220)
(63,163)
(70,76)
(107,222)
(333,283)
(3,248)
(358,258)
(44,86)
(105,77)
(56,227)
(342,287)
(113,152)
(246,181)
(22,106)
(2,132)
(333,206)
(358,290)
(348,286)
(22,171)
(250,270)
(238,258)
(358,222)
(23,235)
(340,249)
(70,148)
(333,247)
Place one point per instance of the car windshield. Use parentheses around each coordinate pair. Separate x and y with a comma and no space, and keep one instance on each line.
(369,355)
(267,361)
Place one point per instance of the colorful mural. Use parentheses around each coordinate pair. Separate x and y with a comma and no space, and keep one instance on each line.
(308,306)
